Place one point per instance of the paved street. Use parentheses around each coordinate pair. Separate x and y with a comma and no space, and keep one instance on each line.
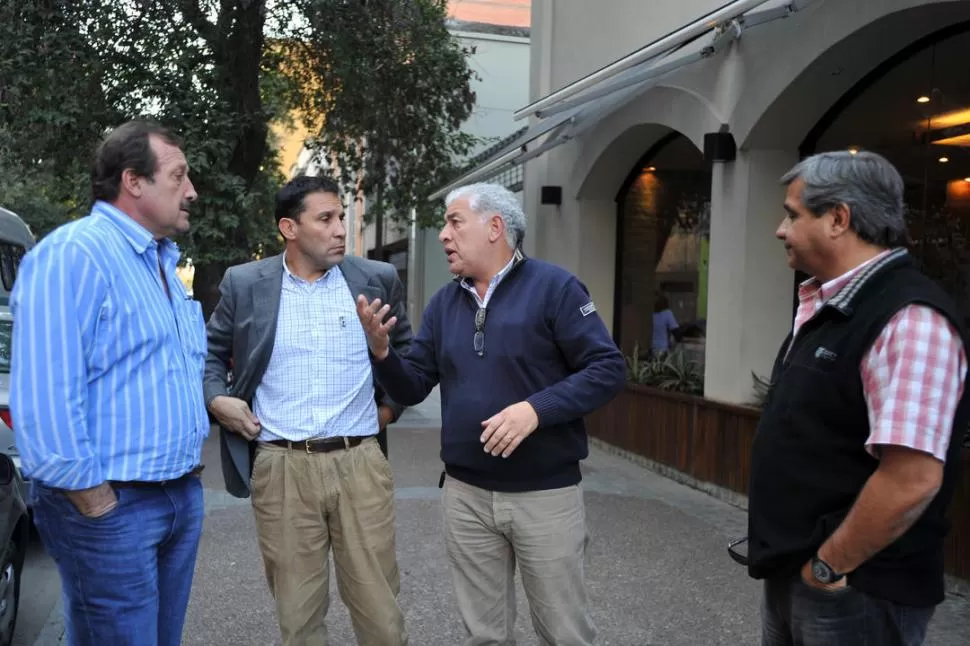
(658,570)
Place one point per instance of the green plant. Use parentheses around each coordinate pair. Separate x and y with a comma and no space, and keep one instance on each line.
(671,371)
(636,366)
(761,388)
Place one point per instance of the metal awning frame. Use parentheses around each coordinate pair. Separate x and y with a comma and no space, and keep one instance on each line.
(567,118)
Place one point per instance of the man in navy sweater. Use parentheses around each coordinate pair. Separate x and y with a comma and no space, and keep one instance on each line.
(521,356)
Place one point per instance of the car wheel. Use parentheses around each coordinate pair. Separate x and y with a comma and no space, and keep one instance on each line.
(11,566)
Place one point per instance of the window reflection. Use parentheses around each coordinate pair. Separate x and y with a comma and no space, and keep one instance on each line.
(664,215)
(917,115)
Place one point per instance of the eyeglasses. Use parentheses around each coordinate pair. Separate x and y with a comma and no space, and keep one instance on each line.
(480,331)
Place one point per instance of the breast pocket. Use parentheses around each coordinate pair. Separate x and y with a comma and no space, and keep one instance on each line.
(350,335)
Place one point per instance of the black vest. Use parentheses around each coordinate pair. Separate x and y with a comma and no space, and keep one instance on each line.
(809,460)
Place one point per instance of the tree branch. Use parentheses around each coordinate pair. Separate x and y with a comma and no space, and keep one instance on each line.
(193,14)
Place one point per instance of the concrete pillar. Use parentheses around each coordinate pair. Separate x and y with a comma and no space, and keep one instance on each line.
(749,299)
(597,254)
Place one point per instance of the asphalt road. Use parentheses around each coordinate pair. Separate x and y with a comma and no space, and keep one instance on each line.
(658,571)
(40,589)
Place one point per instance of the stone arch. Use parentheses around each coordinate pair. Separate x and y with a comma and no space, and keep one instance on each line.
(615,145)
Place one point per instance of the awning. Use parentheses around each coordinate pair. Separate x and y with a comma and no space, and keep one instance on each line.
(574,109)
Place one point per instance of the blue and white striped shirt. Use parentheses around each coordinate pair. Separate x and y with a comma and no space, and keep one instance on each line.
(319,381)
(106,370)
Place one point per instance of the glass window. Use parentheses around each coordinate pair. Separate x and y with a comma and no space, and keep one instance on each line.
(915,111)
(664,213)
(6,332)
(7,265)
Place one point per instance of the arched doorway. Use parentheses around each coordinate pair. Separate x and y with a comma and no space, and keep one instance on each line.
(914,109)
(663,225)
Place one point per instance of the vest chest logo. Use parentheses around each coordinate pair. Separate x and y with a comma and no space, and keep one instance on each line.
(824,353)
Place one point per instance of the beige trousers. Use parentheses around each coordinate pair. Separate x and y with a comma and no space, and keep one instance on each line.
(309,503)
(487,533)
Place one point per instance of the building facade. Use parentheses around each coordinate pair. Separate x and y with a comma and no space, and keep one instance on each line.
(660,175)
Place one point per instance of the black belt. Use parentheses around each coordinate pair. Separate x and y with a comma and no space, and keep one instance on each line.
(324,445)
(194,473)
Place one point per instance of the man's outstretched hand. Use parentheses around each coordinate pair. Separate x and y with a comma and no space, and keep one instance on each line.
(377,330)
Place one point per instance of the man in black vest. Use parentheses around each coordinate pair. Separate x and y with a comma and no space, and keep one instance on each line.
(856,454)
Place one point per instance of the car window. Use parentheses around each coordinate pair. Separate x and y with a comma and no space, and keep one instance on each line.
(6,331)
(10,256)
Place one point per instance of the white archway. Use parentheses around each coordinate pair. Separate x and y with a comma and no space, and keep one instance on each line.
(835,47)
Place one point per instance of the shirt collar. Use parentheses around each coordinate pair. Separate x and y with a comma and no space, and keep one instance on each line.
(813,288)
(140,238)
(517,257)
(297,279)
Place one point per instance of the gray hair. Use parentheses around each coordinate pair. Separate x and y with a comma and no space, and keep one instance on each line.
(488,199)
(867,183)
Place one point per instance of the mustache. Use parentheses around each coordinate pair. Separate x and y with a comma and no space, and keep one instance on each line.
(186,206)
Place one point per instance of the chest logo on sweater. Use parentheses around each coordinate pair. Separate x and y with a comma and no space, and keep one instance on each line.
(588,308)
(824,353)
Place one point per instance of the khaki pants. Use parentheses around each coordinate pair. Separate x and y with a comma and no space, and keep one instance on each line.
(307,503)
(487,532)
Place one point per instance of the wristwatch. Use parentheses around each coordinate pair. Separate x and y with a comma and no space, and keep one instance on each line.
(823,572)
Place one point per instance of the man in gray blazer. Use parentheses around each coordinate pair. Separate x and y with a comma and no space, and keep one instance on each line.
(299,421)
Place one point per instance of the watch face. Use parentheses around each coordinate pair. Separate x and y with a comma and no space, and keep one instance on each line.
(820,572)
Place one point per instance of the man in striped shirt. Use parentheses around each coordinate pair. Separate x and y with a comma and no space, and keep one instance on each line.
(856,454)
(106,396)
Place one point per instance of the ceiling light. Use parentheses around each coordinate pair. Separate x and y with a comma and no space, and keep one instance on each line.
(960,140)
(944,160)
(923,99)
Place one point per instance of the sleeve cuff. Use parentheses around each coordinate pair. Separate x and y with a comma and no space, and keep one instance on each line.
(544,404)
(71,475)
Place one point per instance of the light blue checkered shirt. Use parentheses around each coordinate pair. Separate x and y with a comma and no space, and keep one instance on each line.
(318,382)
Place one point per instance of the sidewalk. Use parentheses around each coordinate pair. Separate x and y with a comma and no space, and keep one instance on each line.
(658,570)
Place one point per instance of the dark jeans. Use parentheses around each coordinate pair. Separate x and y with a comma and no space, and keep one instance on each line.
(794,613)
(126,576)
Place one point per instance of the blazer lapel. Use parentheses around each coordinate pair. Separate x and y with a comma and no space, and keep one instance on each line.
(360,283)
(266,309)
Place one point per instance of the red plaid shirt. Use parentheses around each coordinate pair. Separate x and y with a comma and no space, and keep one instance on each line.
(912,376)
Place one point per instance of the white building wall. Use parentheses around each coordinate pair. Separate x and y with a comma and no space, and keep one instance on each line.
(502,87)
(769,90)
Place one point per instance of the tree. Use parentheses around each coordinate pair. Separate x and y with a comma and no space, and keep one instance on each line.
(218,73)
(393,86)
(53,110)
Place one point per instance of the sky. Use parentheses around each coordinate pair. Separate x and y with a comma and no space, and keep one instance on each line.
(514,13)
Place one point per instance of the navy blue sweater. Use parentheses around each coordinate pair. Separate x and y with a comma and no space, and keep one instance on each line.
(544,343)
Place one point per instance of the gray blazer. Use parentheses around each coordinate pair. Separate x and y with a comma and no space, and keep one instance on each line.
(243,329)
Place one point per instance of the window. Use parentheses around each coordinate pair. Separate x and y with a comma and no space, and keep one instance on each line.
(664,231)
(915,111)
(6,333)
(10,257)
